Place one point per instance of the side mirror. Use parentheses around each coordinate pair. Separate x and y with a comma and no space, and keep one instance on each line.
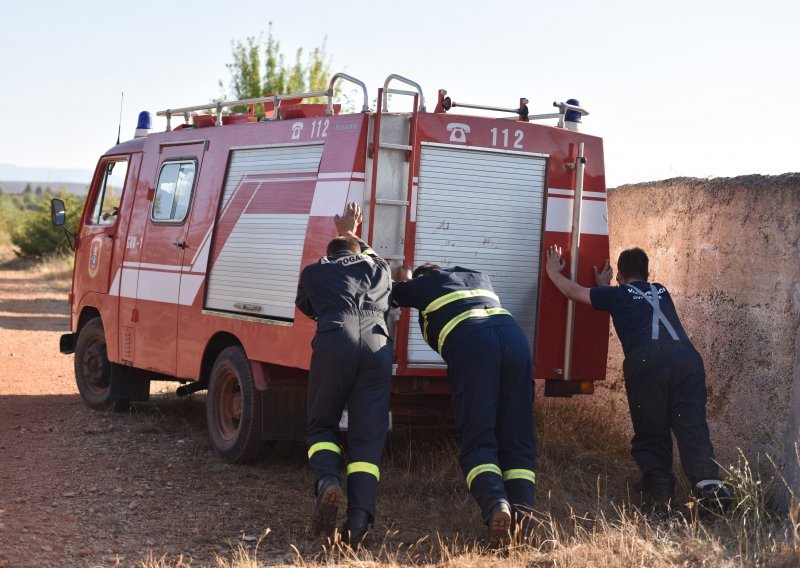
(58,212)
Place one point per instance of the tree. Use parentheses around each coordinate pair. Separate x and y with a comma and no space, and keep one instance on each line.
(251,79)
(29,199)
(11,215)
(37,237)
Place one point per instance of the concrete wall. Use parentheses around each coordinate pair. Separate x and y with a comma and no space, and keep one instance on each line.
(727,249)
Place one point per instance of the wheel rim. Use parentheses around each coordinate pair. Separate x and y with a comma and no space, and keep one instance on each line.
(94,367)
(229,405)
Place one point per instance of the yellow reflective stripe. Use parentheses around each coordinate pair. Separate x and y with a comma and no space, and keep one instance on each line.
(448,298)
(510,474)
(368,251)
(323,446)
(458,295)
(364,467)
(479,469)
(476,313)
(425,327)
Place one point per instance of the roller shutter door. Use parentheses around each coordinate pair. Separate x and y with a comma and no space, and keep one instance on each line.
(481,210)
(261,230)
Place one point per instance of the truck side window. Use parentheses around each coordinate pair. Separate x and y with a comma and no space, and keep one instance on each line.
(174,188)
(106,202)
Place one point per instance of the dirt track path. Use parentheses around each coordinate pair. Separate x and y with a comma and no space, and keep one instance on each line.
(85,488)
(79,487)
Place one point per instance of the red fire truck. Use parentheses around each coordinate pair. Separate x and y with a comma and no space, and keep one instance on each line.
(190,273)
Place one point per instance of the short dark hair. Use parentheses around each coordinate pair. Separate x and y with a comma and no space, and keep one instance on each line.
(633,263)
(343,244)
(423,269)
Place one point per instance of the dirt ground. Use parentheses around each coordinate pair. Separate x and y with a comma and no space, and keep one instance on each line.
(144,488)
(80,487)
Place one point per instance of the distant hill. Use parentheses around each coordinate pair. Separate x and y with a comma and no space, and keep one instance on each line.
(55,186)
(45,175)
(13,179)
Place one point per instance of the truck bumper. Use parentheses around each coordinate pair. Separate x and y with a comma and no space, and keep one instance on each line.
(67,343)
(566,389)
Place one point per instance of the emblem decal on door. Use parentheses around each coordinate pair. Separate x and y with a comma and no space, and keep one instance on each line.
(94,255)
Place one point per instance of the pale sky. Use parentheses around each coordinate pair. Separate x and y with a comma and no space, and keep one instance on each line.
(675,88)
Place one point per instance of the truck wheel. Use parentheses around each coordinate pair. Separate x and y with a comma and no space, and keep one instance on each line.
(92,368)
(233,408)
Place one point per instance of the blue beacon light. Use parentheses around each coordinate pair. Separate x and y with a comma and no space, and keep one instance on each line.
(572,115)
(143,125)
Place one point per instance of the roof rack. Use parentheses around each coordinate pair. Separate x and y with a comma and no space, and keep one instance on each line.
(446,103)
(276,99)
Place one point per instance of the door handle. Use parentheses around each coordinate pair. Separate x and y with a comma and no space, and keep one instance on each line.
(180,244)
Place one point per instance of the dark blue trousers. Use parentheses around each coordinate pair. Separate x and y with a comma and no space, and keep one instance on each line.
(351,365)
(492,399)
(666,388)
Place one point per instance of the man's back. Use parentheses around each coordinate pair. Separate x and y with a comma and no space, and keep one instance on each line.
(632,314)
(451,303)
(345,282)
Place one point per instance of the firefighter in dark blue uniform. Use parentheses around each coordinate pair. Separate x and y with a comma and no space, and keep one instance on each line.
(489,370)
(347,292)
(664,378)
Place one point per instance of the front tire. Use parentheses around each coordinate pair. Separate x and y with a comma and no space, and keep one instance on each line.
(92,367)
(233,408)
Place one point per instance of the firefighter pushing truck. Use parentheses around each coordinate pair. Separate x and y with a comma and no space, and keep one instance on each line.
(190,274)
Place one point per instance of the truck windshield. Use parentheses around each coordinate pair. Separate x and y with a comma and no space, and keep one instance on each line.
(106,202)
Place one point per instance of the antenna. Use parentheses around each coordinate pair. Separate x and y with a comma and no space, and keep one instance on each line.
(119,129)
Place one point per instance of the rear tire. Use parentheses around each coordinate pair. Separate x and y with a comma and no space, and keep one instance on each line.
(233,408)
(92,367)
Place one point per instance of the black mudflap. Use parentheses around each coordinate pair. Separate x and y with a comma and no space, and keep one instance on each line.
(129,384)
(285,415)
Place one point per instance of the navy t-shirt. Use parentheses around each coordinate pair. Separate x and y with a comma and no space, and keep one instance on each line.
(633,316)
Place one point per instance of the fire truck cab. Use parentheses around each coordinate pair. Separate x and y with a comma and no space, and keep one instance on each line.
(188,271)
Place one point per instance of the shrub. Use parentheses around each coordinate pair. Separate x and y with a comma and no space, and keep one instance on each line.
(35,236)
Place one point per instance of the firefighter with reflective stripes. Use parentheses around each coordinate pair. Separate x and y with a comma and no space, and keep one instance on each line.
(664,378)
(347,292)
(489,369)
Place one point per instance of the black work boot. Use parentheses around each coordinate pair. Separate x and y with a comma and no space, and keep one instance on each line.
(329,498)
(500,525)
(354,531)
(713,495)
(656,493)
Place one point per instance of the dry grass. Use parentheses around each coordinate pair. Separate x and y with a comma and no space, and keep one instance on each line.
(585,516)
(53,270)
(6,252)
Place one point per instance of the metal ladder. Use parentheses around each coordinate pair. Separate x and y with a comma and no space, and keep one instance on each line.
(394,160)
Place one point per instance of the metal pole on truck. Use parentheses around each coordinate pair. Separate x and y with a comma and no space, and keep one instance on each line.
(569,336)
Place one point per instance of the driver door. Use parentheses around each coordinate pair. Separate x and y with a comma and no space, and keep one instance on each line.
(162,258)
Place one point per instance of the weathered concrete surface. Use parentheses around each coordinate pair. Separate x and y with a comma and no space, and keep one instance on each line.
(727,249)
